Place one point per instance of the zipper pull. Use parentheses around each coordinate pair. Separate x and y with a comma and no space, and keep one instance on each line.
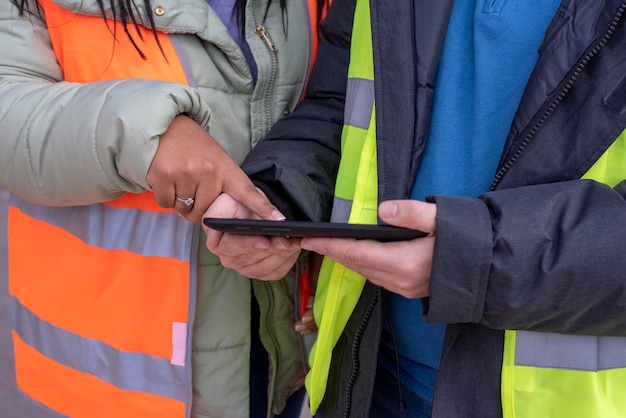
(260,30)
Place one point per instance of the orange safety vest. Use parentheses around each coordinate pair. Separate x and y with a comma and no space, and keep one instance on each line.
(102,296)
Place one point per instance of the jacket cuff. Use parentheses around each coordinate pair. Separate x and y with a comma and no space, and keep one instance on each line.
(461,261)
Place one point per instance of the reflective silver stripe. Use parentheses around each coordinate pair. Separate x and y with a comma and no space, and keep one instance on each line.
(138,231)
(125,370)
(341,210)
(184,60)
(193,300)
(42,410)
(359,102)
(572,352)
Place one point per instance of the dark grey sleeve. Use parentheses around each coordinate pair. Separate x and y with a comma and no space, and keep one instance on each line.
(296,164)
(545,258)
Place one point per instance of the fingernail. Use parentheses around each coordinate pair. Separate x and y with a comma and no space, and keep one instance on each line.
(278,216)
(300,327)
(307,319)
(388,209)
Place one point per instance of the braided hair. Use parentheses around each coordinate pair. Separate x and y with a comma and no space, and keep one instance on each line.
(126,12)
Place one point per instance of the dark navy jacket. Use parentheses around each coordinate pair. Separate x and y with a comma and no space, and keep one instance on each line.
(543,250)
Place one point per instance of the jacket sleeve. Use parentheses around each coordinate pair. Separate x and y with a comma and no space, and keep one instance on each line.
(296,164)
(68,143)
(544,258)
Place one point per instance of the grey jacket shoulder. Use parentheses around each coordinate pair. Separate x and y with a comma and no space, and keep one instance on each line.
(38,103)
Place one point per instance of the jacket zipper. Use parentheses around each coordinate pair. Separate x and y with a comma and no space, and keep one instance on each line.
(356,342)
(259,29)
(555,103)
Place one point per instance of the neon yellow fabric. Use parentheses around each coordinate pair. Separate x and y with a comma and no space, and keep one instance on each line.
(528,392)
(610,168)
(338,288)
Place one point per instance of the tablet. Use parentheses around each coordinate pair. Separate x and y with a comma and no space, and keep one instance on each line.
(301,229)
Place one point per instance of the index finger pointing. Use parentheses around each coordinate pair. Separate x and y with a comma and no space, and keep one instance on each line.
(245,192)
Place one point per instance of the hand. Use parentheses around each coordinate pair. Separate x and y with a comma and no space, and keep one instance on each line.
(253,256)
(402,267)
(306,324)
(190,163)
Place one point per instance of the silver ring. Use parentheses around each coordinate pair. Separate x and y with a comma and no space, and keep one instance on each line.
(188,201)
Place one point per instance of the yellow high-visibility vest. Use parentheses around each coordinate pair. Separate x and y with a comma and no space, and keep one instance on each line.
(356,197)
(543,374)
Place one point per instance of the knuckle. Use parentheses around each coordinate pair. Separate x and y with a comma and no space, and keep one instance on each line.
(405,269)
(352,258)
(210,167)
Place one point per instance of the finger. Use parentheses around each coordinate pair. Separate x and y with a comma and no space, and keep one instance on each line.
(213,239)
(273,267)
(184,201)
(308,320)
(243,190)
(284,244)
(365,255)
(203,197)
(273,263)
(163,195)
(410,287)
(250,247)
(412,214)
(351,253)
(224,206)
(303,328)
(401,267)
(243,262)
(379,274)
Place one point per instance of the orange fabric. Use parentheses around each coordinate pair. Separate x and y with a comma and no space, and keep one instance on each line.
(134,312)
(62,389)
(315,35)
(86,51)
(143,201)
(314,24)
(120,298)
(123,299)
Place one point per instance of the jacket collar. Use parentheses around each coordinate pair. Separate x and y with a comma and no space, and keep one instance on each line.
(404,74)
(568,38)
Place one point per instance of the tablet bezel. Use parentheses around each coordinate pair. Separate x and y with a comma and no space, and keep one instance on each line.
(300,229)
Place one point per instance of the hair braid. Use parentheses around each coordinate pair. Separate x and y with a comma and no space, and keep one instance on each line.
(128,13)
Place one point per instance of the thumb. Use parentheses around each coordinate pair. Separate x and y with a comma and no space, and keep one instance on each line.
(241,188)
(225,206)
(412,214)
